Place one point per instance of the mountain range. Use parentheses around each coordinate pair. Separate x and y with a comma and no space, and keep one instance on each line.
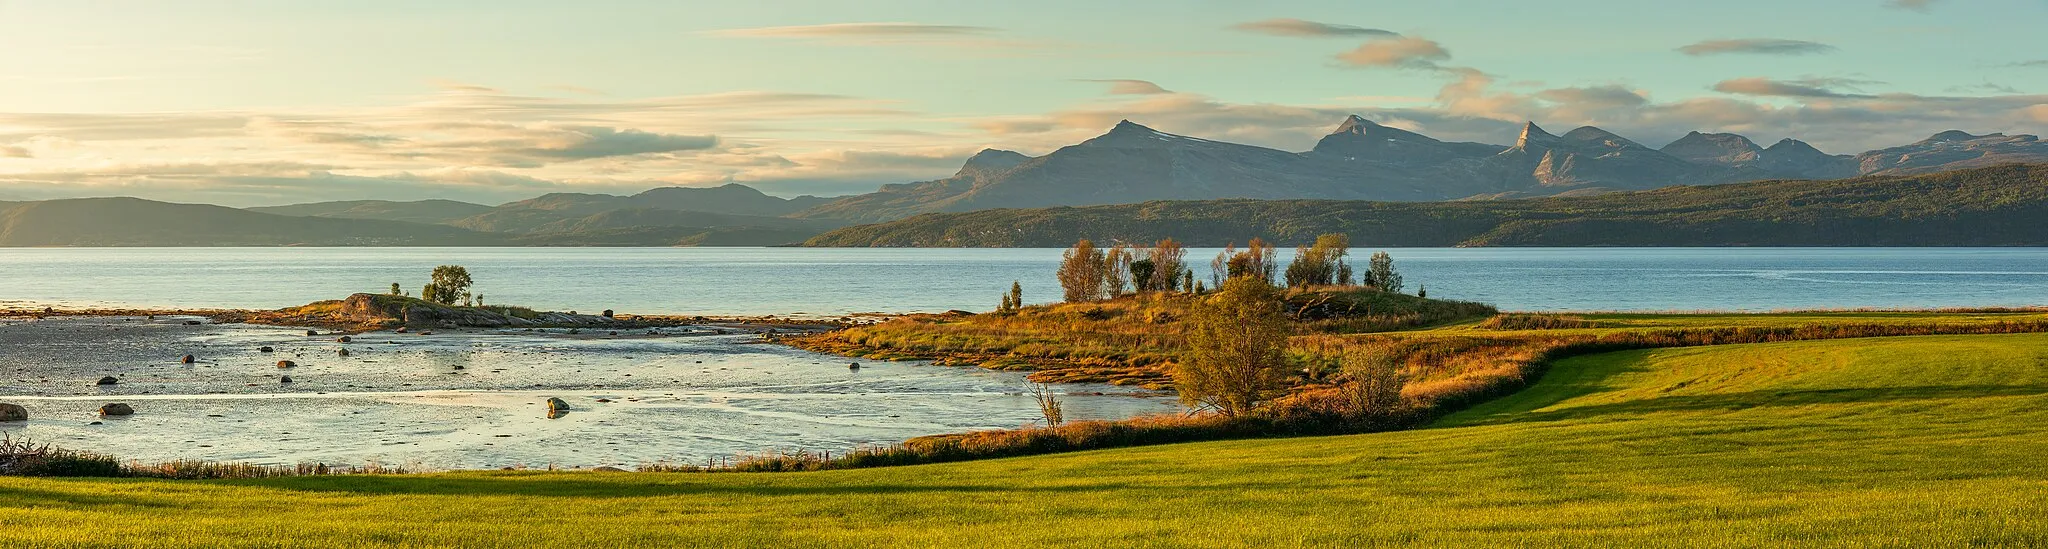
(1363,160)
(1995,206)
(1131,163)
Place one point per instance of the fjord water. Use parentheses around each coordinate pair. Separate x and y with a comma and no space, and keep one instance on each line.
(833,281)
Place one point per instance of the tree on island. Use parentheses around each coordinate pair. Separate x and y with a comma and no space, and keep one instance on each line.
(1016,295)
(395,290)
(1380,273)
(1237,343)
(450,284)
(1083,272)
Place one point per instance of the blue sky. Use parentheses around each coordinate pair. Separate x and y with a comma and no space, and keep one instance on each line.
(246,102)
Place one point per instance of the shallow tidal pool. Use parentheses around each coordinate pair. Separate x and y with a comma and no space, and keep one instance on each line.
(475,399)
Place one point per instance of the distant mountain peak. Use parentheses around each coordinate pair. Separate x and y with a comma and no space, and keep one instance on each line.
(1533,134)
(1132,134)
(1724,149)
(1590,134)
(1128,126)
(991,161)
(1357,125)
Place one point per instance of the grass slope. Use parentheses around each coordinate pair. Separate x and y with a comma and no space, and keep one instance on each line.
(1912,441)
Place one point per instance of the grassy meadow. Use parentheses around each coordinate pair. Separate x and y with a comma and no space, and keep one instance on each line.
(1897,441)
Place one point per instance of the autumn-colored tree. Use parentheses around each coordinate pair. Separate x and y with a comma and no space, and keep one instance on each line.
(1169,258)
(1320,264)
(1116,270)
(1082,272)
(1257,260)
(1237,342)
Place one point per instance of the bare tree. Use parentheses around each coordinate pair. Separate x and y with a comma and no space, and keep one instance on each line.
(1048,403)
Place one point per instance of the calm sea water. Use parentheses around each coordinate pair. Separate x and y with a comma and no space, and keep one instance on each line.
(834,281)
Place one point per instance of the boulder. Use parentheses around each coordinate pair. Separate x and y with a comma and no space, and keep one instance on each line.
(287,364)
(187,359)
(344,339)
(284,379)
(312,332)
(265,349)
(401,329)
(117,409)
(557,407)
(13,412)
(854,366)
(109,380)
(342,352)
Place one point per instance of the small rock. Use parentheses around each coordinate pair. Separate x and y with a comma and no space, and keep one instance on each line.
(109,380)
(284,379)
(13,412)
(117,409)
(287,364)
(343,352)
(855,366)
(557,407)
(265,349)
(604,400)
(344,339)
(191,323)
(312,332)
(426,332)
(96,423)
(607,313)
(187,359)
(400,330)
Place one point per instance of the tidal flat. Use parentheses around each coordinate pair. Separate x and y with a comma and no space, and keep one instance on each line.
(475,398)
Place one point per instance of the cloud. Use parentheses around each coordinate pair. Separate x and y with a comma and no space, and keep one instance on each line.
(1986,87)
(15,151)
(1766,87)
(1405,52)
(1915,5)
(2039,113)
(1759,46)
(1131,87)
(2037,63)
(1303,28)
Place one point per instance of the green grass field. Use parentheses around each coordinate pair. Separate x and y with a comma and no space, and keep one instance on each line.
(1906,442)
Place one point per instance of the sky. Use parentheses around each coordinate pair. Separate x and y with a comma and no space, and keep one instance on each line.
(253,102)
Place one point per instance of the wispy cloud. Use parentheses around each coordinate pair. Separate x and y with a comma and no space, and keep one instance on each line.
(1766,87)
(2035,64)
(1406,52)
(1310,29)
(1124,86)
(1758,46)
(1915,5)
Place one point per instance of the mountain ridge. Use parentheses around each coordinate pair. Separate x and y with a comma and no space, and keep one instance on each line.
(1365,160)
